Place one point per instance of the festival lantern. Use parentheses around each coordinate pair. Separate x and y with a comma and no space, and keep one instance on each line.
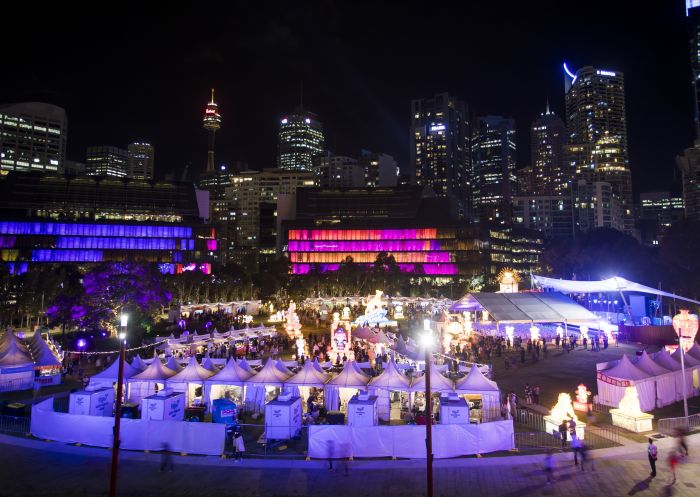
(686,326)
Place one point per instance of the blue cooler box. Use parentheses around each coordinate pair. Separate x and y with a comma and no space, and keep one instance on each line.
(224,411)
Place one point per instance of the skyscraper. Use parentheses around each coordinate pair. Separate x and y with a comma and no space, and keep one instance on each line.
(140,161)
(596,122)
(493,181)
(550,176)
(440,146)
(693,13)
(212,123)
(106,160)
(32,137)
(300,140)
(380,169)
(338,171)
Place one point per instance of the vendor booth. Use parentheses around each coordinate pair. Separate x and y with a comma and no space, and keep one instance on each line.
(482,395)
(612,383)
(165,405)
(16,366)
(439,385)
(308,378)
(92,401)
(148,382)
(362,410)
(264,386)
(283,417)
(229,383)
(340,389)
(665,379)
(390,385)
(664,359)
(453,410)
(191,381)
(109,376)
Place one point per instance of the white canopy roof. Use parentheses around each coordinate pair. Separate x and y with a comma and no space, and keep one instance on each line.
(173,364)
(232,374)
(207,364)
(390,379)
(43,356)
(550,307)
(243,364)
(438,383)
(111,372)
(625,370)
(647,364)
(350,377)
(308,376)
(664,359)
(270,375)
(283,367)
(155,372)
(13,356)
(193,372)
(475,381)
(689,360)
(614,284)
(138,363)
(694,351)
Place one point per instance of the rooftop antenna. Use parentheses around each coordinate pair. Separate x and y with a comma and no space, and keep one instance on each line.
(547,112)
(301,93)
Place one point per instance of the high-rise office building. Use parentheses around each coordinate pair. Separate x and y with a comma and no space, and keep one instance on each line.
(212,123)
(106,160)
(140,161)
(550,214)
(693,13)
(689,164)
(550,174)
(658,211)
(32,137)
(300,140)
(597,205)
(597,126)
(380,169)
(493,180)
(440,146)
(338,171)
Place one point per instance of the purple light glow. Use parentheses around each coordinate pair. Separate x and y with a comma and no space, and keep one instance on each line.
(66,256)
(82,343)
(77,242)
(367,257)
(365,246)
(115,230)
(435,269)
(7,241)
(350,235)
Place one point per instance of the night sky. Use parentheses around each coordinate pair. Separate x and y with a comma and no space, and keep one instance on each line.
(126,74)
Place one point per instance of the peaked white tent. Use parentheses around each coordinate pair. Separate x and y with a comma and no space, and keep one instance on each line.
(476,384)
(207,364)
(307,377)
(264,384)
(110,375)
(173,364)
(145,383)
(694,351)
(692,368)
(612,383)
(391,379)
(16,367)
(187,380)
(247,367)
(139,363)
(341,388)
(438,383)
(229,382)
(665,379)
(664,359)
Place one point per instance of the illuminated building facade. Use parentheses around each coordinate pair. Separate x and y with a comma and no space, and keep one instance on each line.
(550,214)
(658,211)
(597,205)
(300,140)
(493,181)
(381,170)
(106,160)
(140,160)
(50,218)
(32,137)
(440,146)
(597,125)
(689,164)
(550,174)
(211,123)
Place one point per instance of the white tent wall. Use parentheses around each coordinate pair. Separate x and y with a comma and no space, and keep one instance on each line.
(213,391)
(610,394)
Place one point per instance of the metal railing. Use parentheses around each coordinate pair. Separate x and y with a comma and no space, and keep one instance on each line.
(17,385)
(529,419)
(14,424)
(670,426)
(257,445)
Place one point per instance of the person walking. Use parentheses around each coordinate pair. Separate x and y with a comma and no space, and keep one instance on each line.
(673,459)
(549,466)
(576,447)
(652,452)
(166,459)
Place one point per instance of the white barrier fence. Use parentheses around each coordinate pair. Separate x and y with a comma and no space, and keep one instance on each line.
(136,434)
(340,441)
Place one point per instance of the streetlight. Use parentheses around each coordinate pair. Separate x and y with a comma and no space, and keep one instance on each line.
(686,327)
(427,340)
(124,318)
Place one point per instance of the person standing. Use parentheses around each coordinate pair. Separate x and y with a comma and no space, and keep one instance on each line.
(652,452)
(238,444)
(536,394)
(576,447)
(563,433)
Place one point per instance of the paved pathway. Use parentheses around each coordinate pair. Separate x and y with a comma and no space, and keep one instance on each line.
(35,468)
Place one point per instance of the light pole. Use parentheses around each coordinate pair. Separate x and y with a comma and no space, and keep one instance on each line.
(686,327)
(427,342)
(124,318)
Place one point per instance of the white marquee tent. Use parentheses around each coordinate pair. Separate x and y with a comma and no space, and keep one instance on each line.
(345,385)
(267,380)
(475,383)
(144,384)
(665,379)
(612,383)
(187,380)
(110,375)
(230,380)
(390,380)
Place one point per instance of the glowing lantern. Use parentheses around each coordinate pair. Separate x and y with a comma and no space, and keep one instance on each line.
(560,331)
(485,316)
(534,333)
(686,326)
(510,330)
(584,331)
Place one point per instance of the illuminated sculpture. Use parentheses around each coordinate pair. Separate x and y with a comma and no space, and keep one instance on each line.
(508,280)
(686,326)
(346,313)
(293,326)
(510,331)
(398,311)
(467,322)
(340,339)
(563,411)
(485,316)
(629,414)
(584,331)
(581,403)
(375,314)
(560,332)
(534,333)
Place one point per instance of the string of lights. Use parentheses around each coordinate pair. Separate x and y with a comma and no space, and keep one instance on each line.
(116,351)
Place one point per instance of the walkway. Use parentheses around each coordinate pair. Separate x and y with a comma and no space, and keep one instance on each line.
(35,468)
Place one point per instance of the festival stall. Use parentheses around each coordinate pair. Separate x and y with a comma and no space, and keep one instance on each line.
(692,366)
(390,381)
(340,389)
(16,366)
(109,376)
(189,380)
(477,387)
(613,381)
(146,383)
(307,378)
(227,383)
(665,379)
(47,365)
(664,359)
(264,386)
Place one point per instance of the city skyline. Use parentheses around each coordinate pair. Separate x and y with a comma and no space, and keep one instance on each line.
(363,101)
